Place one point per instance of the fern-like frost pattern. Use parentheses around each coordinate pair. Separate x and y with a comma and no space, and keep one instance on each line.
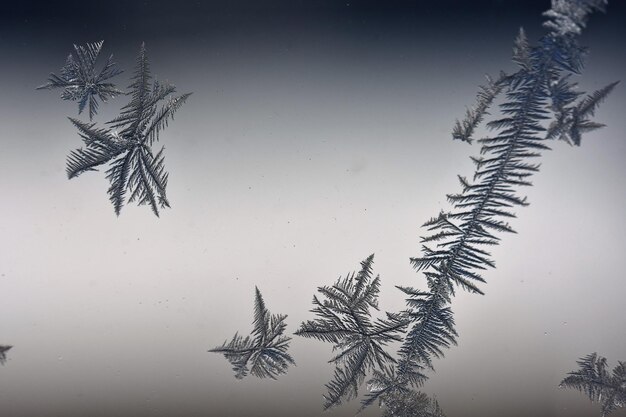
(264,353)
(136,173)
(81,81)
(344,318)
(602,386)
(540,103)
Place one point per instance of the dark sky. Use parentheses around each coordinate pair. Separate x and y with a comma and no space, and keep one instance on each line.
(176,18)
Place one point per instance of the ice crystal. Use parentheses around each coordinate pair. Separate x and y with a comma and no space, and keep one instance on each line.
(80,81)
(3,353)
(264,353)
(594,379)
(127,143)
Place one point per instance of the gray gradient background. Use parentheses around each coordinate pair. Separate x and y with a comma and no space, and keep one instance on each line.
(317,134)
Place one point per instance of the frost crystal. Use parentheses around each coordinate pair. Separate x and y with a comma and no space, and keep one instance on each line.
(3,353)
(594,380)
(81,82)
(569,17)
(345,320)
(264,354)
(127,144)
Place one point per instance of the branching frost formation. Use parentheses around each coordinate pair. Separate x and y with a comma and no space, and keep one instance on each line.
(127,143)
(80,81)
(3,353)
(601,386)
(454,254)
(264,353)
(540,103)
(345,320)
(135,172)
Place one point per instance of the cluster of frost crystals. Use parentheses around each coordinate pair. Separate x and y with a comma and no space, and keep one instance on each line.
(569,17)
